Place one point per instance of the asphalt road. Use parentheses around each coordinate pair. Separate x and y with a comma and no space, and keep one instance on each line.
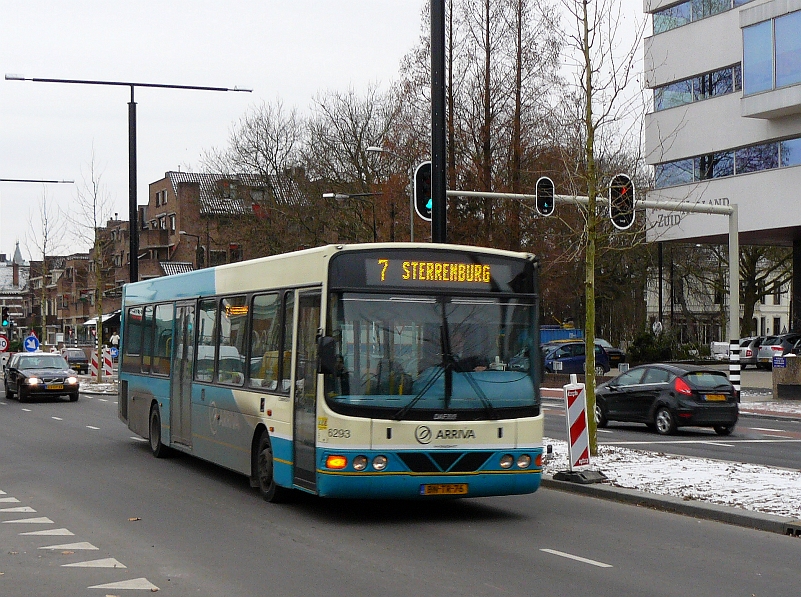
(754,440)
(190,528)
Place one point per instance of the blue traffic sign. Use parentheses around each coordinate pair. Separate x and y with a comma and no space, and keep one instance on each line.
(31,343)
(114,352)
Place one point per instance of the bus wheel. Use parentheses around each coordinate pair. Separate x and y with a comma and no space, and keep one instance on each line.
(264,469)
(159,450)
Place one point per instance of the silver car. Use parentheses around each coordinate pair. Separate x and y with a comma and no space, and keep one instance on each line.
(749,348)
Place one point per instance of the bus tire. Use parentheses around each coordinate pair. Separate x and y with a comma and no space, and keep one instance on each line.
(268,488)
(159,449)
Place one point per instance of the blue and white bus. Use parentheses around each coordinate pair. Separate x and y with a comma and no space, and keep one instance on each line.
(366,371)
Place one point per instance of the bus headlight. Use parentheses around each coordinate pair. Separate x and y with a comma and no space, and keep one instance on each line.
(360,463)
(380,463)
(523,461)
(507,460)
(336,462)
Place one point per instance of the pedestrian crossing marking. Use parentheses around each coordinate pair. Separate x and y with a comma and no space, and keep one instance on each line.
(50,532)
(41,520)
(18,509)
(103,563)
(135,583)
(9,500)
(81,545)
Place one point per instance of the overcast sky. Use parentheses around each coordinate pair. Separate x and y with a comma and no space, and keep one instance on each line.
(280,49)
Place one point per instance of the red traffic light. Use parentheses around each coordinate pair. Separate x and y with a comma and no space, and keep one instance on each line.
(621,201)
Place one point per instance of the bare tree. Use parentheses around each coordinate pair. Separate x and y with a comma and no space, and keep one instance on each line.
(45,236)
(603,76)
(92,210)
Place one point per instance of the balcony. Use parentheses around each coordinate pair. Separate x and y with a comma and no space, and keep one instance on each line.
(154,239)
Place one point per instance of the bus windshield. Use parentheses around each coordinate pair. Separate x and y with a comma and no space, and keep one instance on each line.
(432,357)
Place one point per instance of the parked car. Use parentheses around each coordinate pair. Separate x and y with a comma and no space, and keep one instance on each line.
(775,346)
(668,396)
(616,356)
(749,348)
(571,357)
(29,374)
(76,359)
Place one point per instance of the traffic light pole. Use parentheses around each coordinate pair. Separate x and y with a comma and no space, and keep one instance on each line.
(679,206)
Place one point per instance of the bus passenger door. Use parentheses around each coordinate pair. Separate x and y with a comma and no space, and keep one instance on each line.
(181,386)
(305,400)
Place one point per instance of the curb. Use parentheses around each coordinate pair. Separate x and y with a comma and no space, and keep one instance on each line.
(703,510)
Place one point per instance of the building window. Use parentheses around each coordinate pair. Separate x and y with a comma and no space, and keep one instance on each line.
(771,51)
(163,223)
(754,158)
(693,10)
(172,222)
(777,325)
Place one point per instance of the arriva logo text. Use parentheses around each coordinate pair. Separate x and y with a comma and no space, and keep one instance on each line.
(456,434)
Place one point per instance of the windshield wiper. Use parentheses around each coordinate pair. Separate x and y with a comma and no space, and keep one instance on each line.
(486,402)
(404,411)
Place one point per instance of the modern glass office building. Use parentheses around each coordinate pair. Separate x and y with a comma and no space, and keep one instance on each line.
(725,124)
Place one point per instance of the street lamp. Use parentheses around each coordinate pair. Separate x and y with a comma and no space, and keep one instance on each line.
(377,149)
(133,214)
(358,196)
(197,249)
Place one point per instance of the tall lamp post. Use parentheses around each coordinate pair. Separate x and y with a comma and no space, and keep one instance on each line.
(133,214)
(361,197)
(376,149)
(197,248)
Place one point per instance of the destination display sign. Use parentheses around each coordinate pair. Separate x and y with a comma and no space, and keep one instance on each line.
(431,270)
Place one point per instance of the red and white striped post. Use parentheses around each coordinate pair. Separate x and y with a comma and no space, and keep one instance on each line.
(107,367)
(578,446)
(93,364)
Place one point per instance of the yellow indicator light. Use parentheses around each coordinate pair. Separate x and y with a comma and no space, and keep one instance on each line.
(336,462)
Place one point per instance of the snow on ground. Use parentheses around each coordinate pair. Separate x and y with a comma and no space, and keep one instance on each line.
(753,487)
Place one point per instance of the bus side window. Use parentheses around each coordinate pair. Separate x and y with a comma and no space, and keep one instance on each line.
(132,341)
(206,321)
(265,341)
(147,339)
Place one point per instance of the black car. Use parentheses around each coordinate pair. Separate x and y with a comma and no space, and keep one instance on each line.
(29,374)
(616,356)
(76,359)
(666,397)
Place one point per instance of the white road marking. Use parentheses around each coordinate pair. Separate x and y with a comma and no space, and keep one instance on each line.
(104,563)
(2,492)
(764,429)
(92,427)
(57,418)
(81,545)
(41,520)
(18,509)
(102,400)
(139,439)
(778,440)
(135,583)
(50,532)
(11,500)
(604,431)
(27,410)
(577,558)
(720,444)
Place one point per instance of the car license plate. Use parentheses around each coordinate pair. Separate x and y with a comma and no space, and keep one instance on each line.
(55,386)
(444,489)
(715,398)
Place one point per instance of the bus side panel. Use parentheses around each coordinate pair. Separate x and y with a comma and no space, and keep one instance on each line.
(142,391)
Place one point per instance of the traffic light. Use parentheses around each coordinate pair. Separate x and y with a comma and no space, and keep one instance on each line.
(621,202)
(422,191)
(6,320)
(544,194)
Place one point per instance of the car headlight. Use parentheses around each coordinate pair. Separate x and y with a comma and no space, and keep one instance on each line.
(72,380)
(32,381)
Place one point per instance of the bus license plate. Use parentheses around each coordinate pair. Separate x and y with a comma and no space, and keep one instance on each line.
(715,397)
(444,489)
